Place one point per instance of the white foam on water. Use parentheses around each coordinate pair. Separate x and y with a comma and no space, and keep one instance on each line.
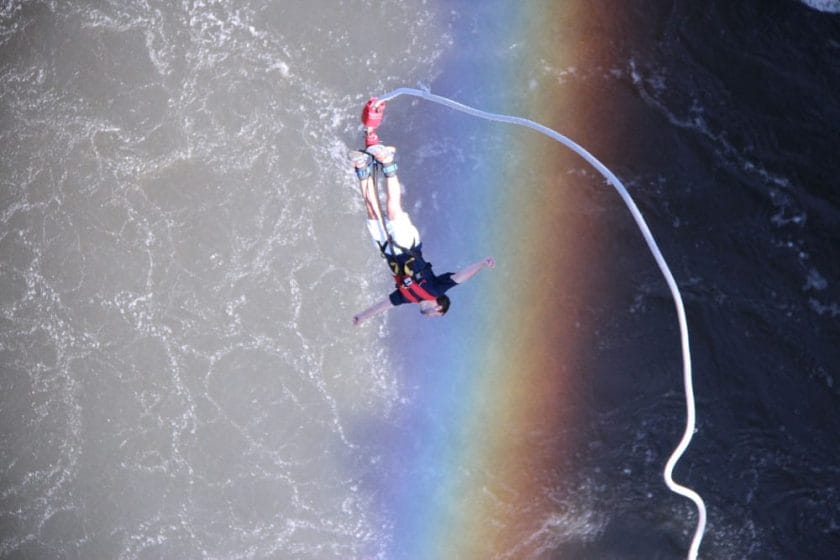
(789,217)
(178,375)
(828,6)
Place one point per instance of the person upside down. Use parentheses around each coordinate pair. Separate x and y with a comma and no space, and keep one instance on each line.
(400,244)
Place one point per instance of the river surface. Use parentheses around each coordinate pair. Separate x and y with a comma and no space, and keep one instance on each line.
(177,373)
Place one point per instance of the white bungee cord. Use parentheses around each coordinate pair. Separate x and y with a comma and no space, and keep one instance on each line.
(660,260)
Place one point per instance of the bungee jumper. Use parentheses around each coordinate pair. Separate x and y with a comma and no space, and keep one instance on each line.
(394,233)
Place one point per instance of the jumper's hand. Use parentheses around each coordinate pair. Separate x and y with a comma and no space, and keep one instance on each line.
(490,262)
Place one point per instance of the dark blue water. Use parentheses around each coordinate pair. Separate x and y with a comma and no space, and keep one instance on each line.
(730,116)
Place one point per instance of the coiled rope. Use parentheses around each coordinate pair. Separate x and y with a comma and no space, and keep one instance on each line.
(660,260)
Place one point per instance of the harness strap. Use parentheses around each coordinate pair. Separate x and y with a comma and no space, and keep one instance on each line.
(413,291)
(390,241)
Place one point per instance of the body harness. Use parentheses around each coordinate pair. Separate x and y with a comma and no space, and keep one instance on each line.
(409,282)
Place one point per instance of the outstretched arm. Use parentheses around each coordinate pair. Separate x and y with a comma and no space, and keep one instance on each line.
(372,311)
(463,275)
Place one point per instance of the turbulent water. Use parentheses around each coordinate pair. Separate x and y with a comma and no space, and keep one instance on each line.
(177,380)
(738,154)
(173,374)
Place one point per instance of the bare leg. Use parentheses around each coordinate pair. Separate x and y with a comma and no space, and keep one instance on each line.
(368,188)
(393,189)
(394,201)
(367,185)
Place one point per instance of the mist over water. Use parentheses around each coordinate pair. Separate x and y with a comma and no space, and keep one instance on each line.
(182,248)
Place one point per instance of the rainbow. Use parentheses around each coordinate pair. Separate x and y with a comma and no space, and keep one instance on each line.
(462,478)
